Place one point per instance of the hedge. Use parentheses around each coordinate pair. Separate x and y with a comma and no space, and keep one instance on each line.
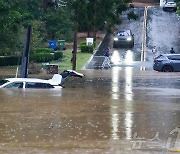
(41,57)
(58,55)
(86,48)
(43,50)
(10,60)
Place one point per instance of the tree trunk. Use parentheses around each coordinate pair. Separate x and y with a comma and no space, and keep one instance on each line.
(88,33)
(94,34)
(74,51)
(45,5)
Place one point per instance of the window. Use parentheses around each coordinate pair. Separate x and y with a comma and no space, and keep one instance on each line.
(38,85)
(15,85)
(3,82)
(48,85)
(175,57)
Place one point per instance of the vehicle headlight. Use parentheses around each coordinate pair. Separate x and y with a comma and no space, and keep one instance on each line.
(115,39)
(129,39)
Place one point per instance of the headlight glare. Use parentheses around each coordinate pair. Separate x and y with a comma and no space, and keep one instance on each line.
(115,39)
(129,38)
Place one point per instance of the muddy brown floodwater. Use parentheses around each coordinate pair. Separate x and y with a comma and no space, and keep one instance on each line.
(109,111)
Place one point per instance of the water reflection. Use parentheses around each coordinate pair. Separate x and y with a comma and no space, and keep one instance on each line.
(115,83)
(124,56)
(115,105)
(128,84)
(115,125)
(115,58)
(129,56)
(128,102)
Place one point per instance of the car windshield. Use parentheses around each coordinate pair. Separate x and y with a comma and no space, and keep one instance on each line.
(170,2)
(3,82)
(123,33)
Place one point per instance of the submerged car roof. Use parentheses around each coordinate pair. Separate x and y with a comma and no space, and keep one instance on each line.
(26,80)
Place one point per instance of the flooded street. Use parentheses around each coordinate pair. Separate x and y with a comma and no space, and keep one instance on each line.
(108,111)
(120,110)
(158,33)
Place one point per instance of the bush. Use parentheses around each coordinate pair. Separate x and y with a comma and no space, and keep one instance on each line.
(10,60)
(87,48)
(5,52)
(41,57)
(43,50)
(58,55)
(132,15)
(82,43)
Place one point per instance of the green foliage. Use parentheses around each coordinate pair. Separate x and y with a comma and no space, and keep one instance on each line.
(87,48)
(10,26)
(132,15)
(10,60)
(65,63)
(57,21)
(5,52)
(43,50)
(178,6)
(82,43)
(58,55)
(38,34)
(58,24)
(92,15)
(41,57)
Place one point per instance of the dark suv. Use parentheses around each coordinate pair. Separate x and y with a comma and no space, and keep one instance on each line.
(123,38)
(167,63)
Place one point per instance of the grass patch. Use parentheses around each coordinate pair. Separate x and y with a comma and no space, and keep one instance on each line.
(65,63)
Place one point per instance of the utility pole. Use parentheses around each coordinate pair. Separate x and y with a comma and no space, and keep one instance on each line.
(74,48)
(25,58)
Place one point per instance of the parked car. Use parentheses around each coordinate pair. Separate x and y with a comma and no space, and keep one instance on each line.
(123,38)
(54,83)
(167,63)
(170,5)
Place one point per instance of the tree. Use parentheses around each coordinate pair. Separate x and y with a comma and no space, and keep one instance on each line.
(9,25)
(178,6)
(77,9)
(94,14)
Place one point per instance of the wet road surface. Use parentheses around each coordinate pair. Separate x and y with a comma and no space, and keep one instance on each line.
(163,31)
(109,111)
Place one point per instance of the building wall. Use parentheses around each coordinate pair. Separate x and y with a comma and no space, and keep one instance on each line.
(146,1)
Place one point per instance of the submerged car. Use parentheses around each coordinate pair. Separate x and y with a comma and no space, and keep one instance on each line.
(54,83)
(123,38)
(167,63)
(170,5)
